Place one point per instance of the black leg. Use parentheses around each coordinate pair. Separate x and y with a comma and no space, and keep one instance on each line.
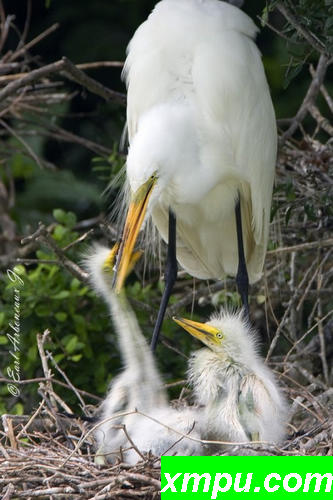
(242,278)
(170,278)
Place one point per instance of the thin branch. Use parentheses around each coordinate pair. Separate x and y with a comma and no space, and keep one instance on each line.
(70,71)
(311,39)
(309,98)
(34,41)
(303,246)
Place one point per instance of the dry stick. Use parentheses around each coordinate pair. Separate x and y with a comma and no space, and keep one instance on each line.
(198,293)
(26,24)
(83,66)
(9,492)
(63,374)
(291,283)
(22,141)
(40,344)
(311,39)
(78,240)
(54,381)
(309,98)
(320,321)
(31,419)
(307,289)
(34,41)
(5,26)
(43,235)
(70,71)
(323,90)
(302,246)
(286,313)
(321,120)
(322,353)
(67,136)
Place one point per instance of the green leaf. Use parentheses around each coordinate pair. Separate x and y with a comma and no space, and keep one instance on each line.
(18,409)
(71,344)
(59,215)
(60,232)
(64,294)
(2,318)
(76,357)
(42,310)
(3,340)
(61,316)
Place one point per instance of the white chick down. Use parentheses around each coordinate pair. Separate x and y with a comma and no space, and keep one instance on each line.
(138,386)
(240,396)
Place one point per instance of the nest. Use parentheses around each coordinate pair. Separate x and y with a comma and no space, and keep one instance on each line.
(51,455)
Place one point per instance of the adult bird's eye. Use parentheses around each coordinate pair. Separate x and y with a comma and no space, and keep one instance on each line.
(219,336)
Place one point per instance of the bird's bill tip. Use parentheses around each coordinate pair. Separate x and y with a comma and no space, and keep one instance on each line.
(134,220)
(109,263)
(110,260)
(201,331)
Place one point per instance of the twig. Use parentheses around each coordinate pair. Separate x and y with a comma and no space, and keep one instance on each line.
(48,375)
(309,98)
(34,41)
(63,374)
(69,69)
(321,120)
(322,353)
(311,39)
(25,144)
(302,246)
(43,235)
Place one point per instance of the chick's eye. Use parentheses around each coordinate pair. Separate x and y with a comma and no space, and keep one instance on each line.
(219,336)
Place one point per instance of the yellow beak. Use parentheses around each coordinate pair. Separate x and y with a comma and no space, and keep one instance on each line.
(110,260)
(201,331)
(133,223)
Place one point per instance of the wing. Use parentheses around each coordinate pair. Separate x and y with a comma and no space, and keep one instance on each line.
(261,409)
(231,88)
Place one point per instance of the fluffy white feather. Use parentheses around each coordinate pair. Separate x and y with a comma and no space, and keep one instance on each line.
(241,398)
(200,115)
(139,386)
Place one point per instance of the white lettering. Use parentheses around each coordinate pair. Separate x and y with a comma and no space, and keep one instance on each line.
(14,278)
(247,486)
(217,488)
(170,482)
(319,478)
(267,480)
(298,484)
(196,482)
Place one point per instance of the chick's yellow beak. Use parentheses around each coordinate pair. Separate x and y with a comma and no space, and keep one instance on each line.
(133,223)
(205,333)
(109,263)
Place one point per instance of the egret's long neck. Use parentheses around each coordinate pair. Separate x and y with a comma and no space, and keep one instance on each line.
(133,346)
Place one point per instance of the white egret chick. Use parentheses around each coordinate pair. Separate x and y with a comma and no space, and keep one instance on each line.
(139,385)
(241,398)
(202,136)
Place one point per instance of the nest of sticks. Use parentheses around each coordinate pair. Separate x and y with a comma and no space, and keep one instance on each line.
(50,454)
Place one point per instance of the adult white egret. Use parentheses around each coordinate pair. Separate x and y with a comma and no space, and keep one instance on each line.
(139,386)
(239,394)
(202,137)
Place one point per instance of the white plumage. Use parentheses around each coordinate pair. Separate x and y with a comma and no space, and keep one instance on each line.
(241,398)
(201,121)
(139,386)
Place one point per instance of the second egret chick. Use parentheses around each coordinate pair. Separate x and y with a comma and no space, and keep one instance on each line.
(138,387)
(240,396)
